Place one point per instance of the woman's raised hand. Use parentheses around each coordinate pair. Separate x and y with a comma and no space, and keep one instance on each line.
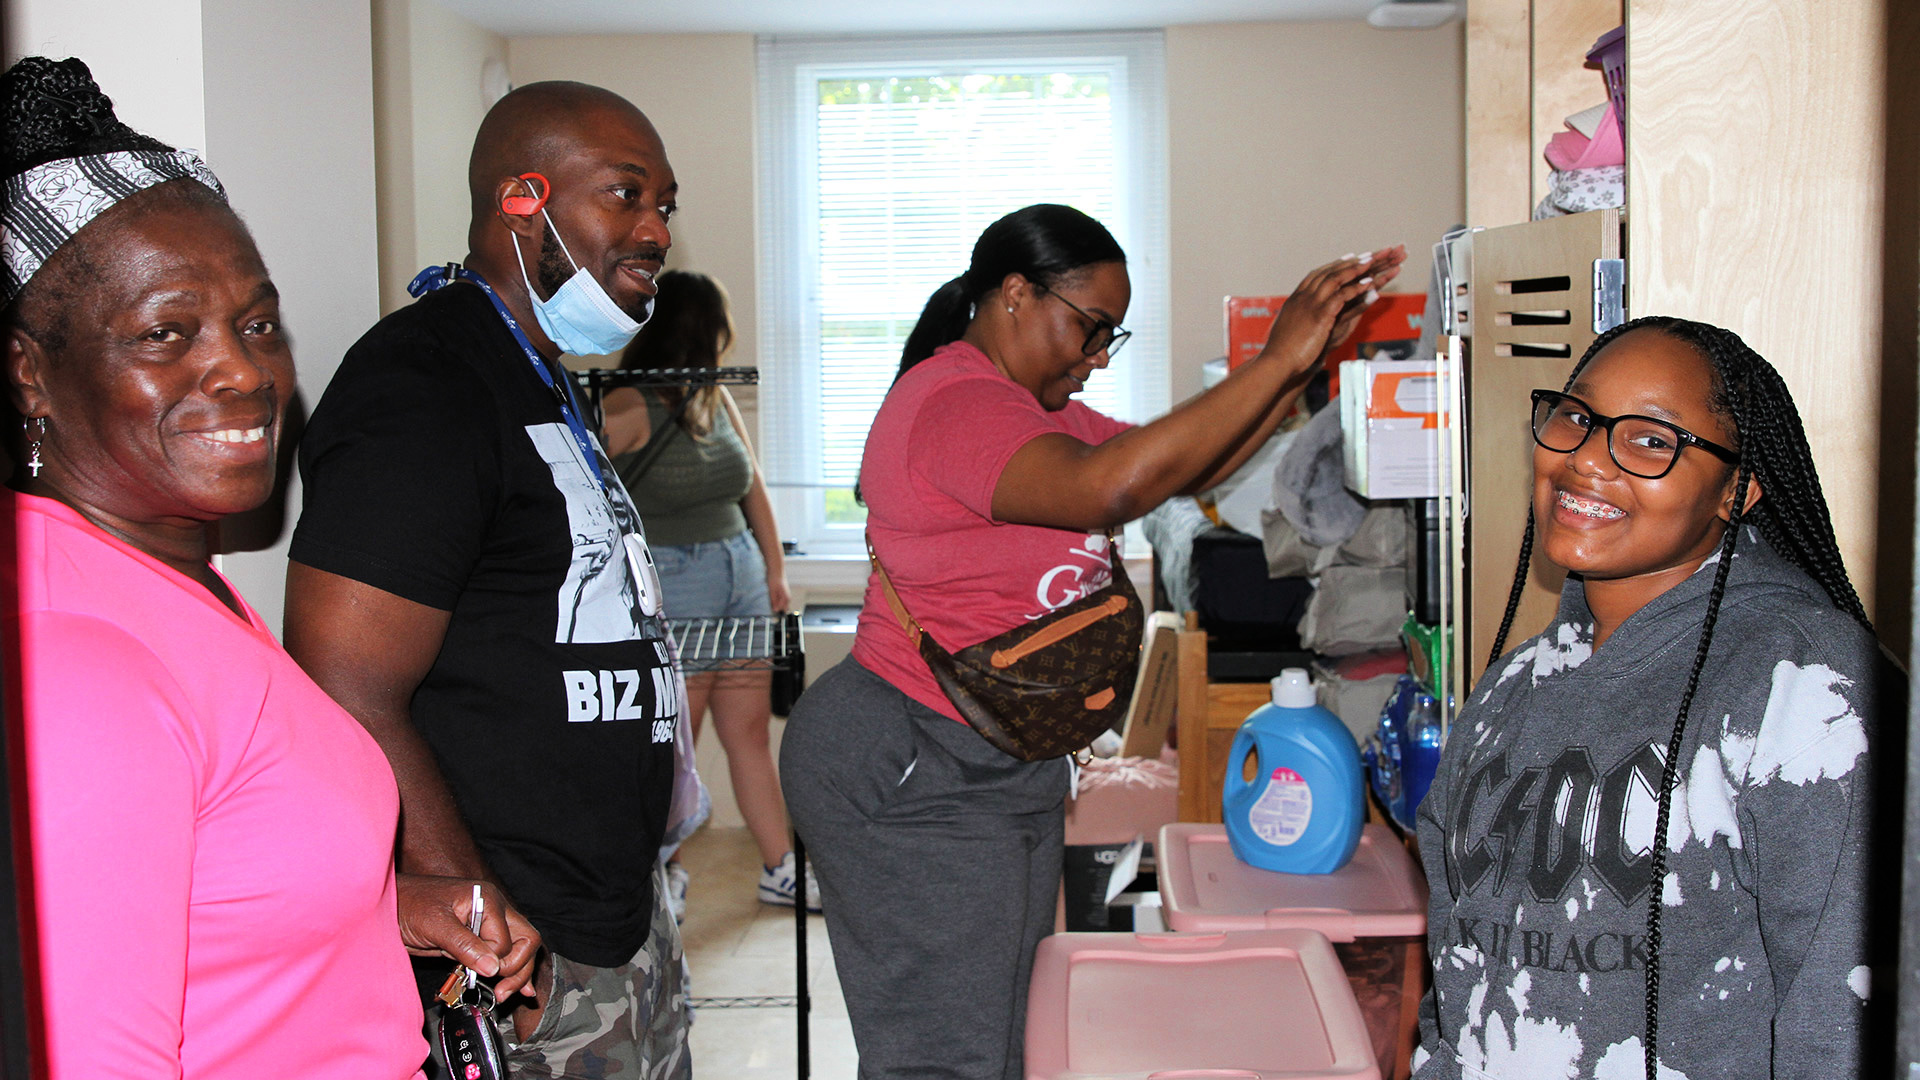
(1329,301)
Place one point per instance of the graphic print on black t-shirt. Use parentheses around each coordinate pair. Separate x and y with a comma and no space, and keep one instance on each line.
(600,598)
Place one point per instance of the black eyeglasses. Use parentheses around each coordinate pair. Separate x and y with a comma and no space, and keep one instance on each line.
(1641,445)
(1105,336)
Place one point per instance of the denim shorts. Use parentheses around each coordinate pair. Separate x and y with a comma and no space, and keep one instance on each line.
(718,577)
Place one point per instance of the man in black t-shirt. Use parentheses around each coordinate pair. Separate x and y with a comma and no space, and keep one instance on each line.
(468,579)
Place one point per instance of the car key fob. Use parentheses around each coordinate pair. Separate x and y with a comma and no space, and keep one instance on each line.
(469,1041)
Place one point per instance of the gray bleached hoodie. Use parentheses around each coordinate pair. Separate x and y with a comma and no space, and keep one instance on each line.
(1536,837)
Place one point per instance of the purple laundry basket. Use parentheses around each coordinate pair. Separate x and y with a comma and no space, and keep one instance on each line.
(1610,52)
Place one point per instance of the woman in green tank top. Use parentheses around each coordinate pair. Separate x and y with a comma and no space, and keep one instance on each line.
(686,462)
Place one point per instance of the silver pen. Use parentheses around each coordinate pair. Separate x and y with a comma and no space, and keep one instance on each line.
(474,917)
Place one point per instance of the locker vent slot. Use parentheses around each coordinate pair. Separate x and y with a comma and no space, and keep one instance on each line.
(1563,317)
(1522,286)
(1543,349)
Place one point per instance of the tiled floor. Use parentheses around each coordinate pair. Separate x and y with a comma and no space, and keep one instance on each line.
(739,947)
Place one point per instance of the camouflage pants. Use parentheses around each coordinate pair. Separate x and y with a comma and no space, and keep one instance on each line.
(622,1023)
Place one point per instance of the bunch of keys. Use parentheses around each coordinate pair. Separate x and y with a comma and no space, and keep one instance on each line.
(469,1041)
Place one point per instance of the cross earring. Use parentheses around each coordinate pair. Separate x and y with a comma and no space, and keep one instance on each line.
(36,430)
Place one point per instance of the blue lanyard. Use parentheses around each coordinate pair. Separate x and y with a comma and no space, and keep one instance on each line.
(436,277)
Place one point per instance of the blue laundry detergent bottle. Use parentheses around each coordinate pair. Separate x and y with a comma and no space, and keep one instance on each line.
(1302,810)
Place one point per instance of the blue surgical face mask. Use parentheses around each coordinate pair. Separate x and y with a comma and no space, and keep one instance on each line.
(580,317)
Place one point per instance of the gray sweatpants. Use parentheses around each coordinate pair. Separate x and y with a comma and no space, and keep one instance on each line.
(939,861)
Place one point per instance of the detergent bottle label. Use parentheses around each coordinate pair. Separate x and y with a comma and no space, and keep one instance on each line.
(1280,815)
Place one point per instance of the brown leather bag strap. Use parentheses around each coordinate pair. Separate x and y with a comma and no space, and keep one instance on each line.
(1056,632)
(913,630)
(893,598)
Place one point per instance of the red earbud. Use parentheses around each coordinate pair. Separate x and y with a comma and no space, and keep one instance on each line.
(522,205)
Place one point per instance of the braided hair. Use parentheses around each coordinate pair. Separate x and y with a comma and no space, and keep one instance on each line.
(55,110)
(1792,518)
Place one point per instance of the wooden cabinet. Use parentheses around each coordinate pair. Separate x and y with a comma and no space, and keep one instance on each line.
(1758,198)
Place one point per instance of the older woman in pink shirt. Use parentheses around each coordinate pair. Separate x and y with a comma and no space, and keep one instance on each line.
(211,836)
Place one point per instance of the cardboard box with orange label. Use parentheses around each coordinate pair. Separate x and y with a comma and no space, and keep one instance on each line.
(1394,318)
(1390,413)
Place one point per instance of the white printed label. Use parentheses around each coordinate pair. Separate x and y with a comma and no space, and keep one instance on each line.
(1280,815)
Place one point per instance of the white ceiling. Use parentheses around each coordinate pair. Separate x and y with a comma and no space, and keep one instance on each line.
(518,18)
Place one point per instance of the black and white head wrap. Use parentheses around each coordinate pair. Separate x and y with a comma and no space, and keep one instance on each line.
(45,205)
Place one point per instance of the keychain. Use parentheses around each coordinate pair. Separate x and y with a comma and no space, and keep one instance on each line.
(469,1041)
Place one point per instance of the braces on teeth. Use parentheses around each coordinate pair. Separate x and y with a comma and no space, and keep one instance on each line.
(1588,507)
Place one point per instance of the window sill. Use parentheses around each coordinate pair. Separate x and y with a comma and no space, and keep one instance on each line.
(828,578)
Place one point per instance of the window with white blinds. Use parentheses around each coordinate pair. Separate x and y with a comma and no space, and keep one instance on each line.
(881,162)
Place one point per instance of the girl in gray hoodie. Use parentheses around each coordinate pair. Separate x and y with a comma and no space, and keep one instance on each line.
(1711,678)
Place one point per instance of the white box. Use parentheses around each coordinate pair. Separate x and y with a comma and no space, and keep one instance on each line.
(1392,417)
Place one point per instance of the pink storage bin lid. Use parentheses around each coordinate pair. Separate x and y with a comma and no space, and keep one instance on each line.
(1262,1006)
(1204,887)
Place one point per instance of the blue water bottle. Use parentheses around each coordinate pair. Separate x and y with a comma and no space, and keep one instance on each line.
(1294,799)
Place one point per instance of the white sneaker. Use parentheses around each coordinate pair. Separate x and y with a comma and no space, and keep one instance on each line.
(677,878)
(777,885)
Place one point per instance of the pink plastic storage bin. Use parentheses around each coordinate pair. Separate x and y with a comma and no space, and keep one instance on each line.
(1261,1006)
(1379,893)
(1374,908)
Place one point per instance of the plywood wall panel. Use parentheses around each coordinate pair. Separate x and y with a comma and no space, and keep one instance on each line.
(1756,166)
(1499,111)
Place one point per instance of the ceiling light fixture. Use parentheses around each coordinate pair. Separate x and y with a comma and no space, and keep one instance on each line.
(1412,14)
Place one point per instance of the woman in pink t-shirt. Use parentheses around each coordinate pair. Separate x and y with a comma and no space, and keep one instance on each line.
(211,837)
(989,490)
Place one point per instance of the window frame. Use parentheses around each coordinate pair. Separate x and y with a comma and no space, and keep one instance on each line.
(789,237)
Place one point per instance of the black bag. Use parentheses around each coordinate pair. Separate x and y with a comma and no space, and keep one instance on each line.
(790,668)
(1050,687)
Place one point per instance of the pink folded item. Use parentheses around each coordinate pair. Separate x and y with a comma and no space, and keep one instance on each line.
(1571,150)
(1121,798)
(1124,772)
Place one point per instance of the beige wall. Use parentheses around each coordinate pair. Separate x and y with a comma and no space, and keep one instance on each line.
(427,95)
(699,91)
(1272,169)
(280,102)
(289,119)
(144,53)
(1293,143)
